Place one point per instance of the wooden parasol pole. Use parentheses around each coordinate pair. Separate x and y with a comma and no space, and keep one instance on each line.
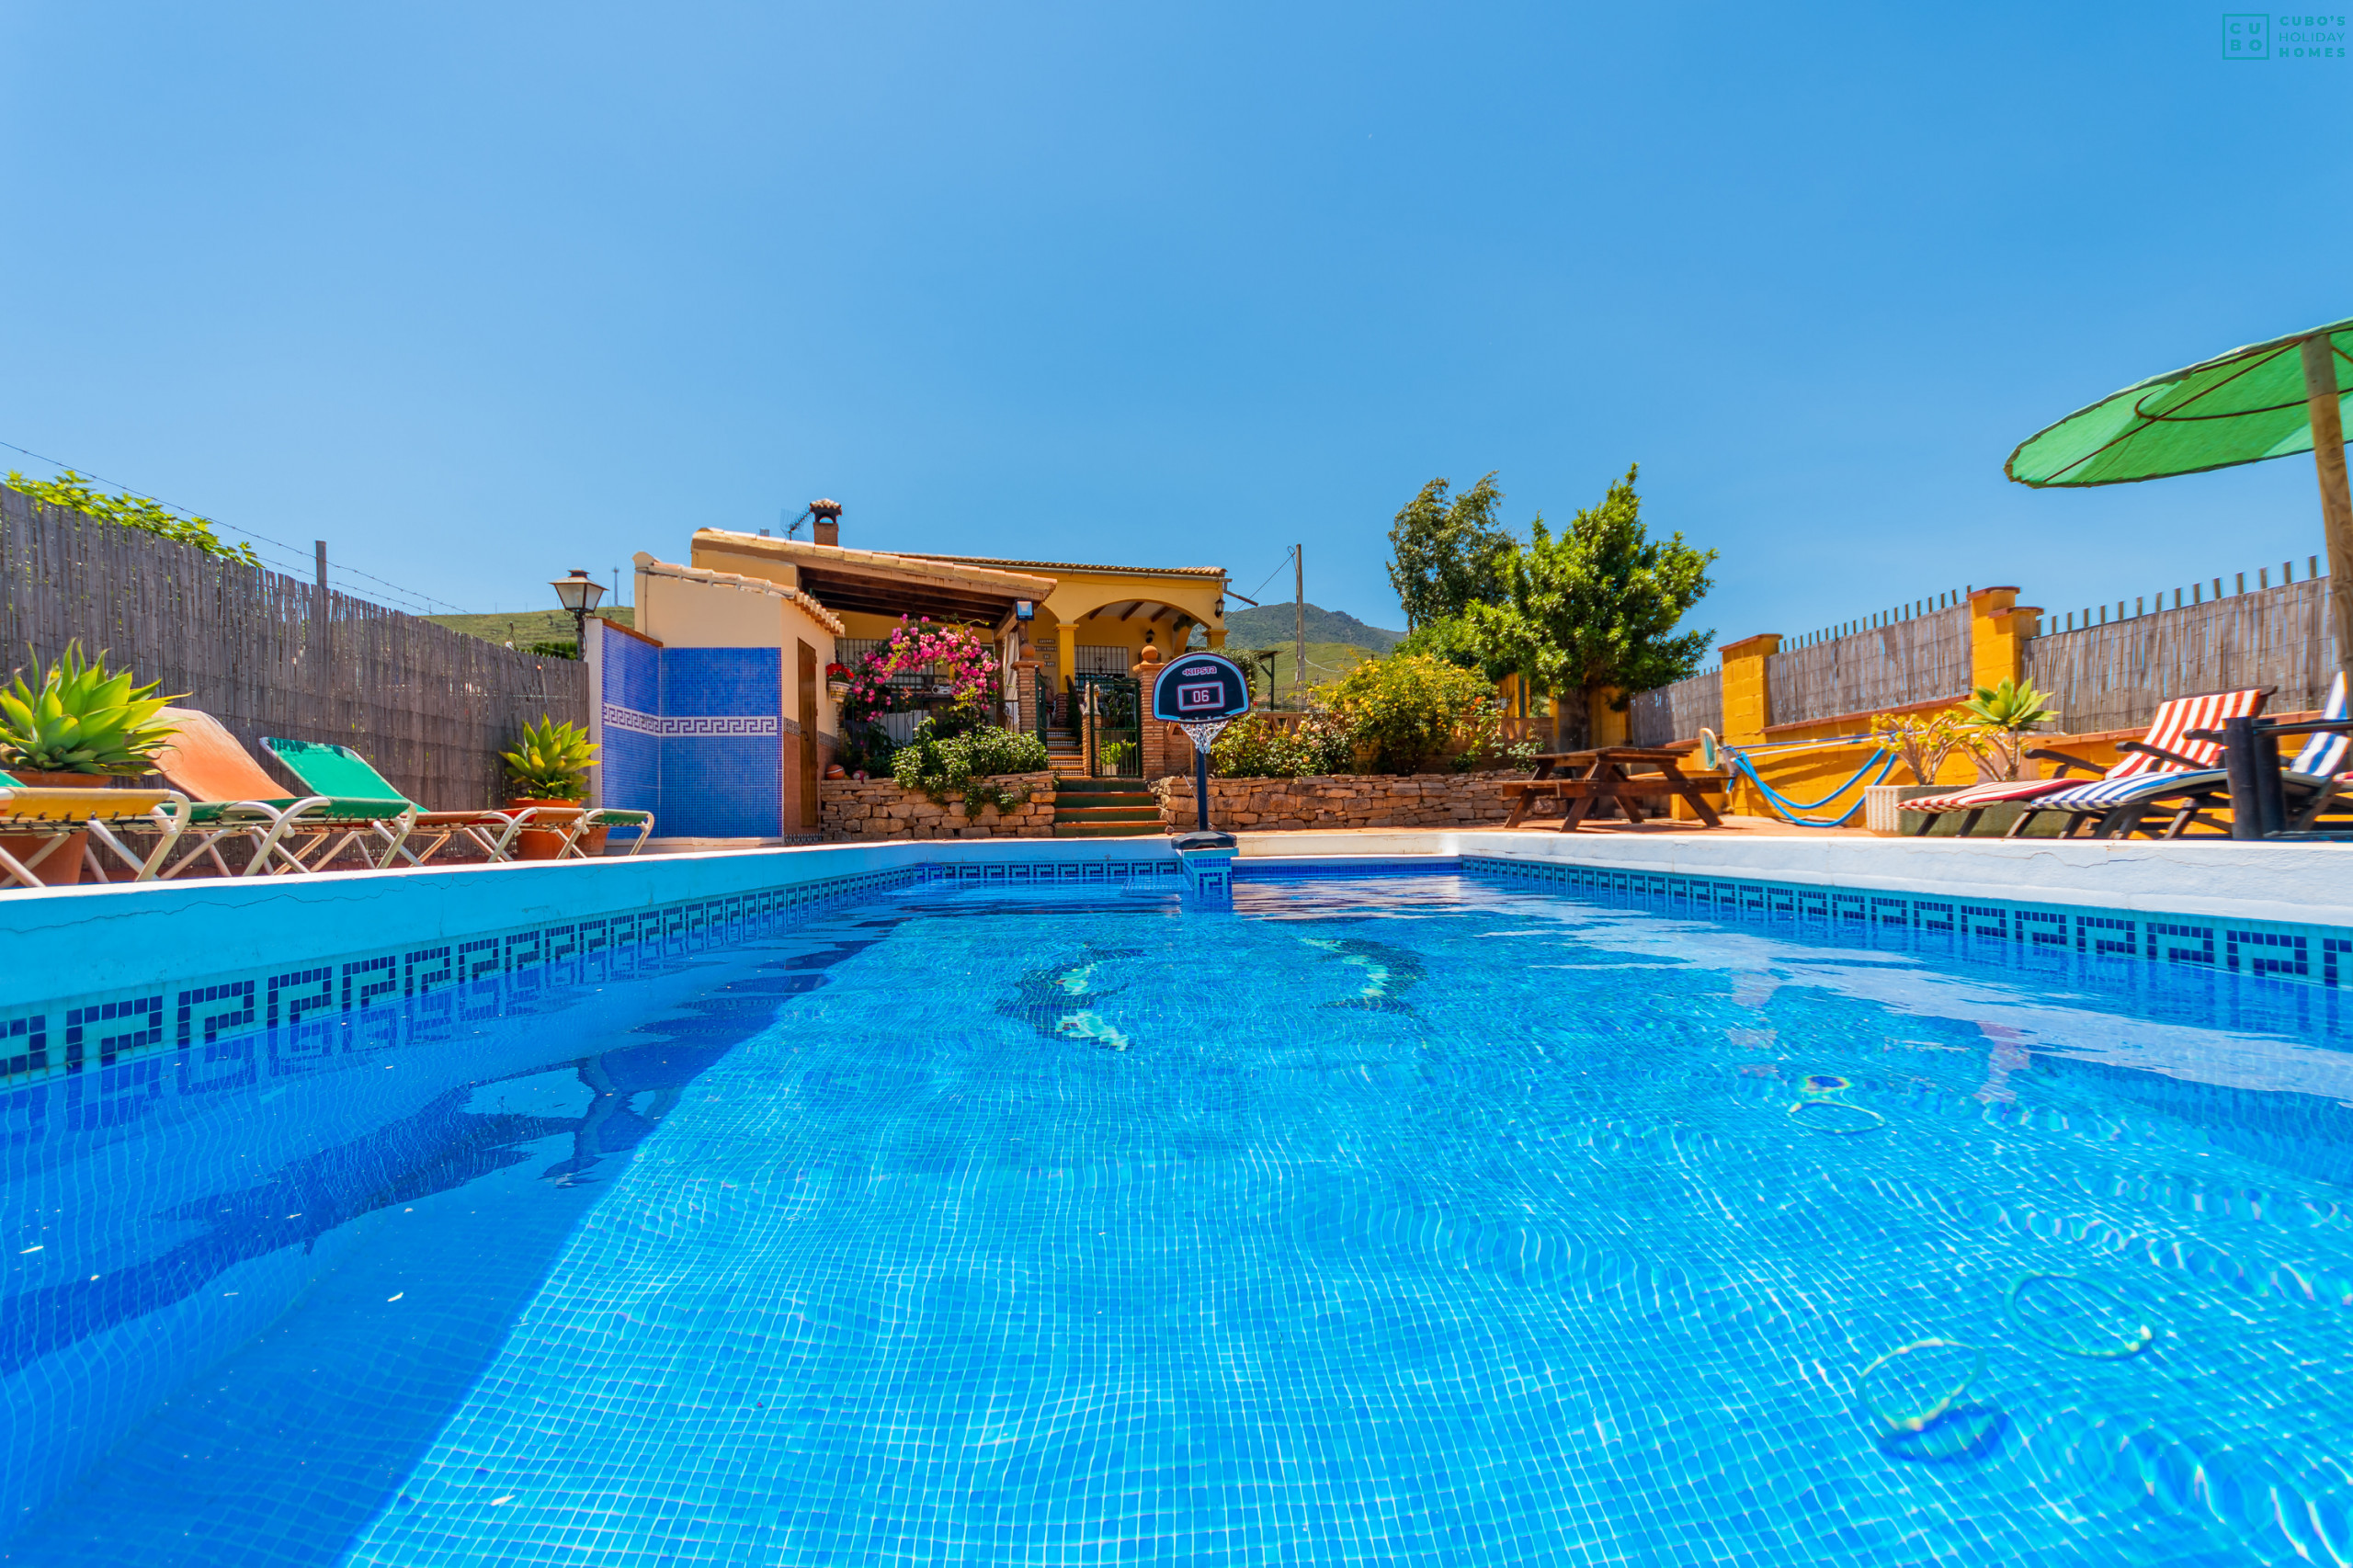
(2336,498)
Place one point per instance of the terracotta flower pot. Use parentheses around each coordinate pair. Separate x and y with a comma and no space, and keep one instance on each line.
(540,843)
(62,867)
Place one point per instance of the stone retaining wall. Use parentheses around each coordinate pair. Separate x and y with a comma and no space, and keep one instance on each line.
(1423,799)
(880,809)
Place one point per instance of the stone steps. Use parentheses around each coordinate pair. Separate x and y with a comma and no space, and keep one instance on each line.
(1105,808)
(1106,830)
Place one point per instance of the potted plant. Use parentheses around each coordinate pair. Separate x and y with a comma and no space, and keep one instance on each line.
(549,767)
(84,725)
(2003,714)
(837,680)
(1923,742)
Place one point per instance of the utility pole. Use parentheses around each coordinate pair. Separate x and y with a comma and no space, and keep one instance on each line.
(1299,621)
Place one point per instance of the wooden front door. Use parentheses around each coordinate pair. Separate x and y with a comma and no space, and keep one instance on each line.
(807,715)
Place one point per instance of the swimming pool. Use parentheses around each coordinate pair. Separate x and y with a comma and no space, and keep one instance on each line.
(1424,1218)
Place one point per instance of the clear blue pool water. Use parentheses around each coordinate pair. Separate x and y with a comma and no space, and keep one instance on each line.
(1401,1220)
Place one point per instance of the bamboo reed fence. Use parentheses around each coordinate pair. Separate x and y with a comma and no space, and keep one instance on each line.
(431,707)
(2111,676)
(1677,713)
(1899,662)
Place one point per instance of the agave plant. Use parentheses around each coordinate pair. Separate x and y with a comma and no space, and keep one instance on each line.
(2004,713)
(550,762)
(84,719)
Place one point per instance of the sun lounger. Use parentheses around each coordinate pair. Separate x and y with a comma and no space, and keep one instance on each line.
(2121,806)
(236,798)
(341,770)
(2166,748)
(55,815)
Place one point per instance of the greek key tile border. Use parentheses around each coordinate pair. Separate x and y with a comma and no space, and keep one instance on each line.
(630,720)
(1032,871)
(216,1032)
(2312,955)
(635,722)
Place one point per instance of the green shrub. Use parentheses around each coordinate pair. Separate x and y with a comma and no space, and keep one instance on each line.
(971,761)
(1408,709)
(1116,753)
(67,490)
(1253,747)
(1484,749)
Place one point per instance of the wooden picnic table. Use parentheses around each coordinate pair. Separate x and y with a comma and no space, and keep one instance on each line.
(1601,775)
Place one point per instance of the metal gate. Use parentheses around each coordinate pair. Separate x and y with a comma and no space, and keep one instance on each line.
(1111,708)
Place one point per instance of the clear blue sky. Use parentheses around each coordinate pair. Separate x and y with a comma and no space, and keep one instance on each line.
(478,293)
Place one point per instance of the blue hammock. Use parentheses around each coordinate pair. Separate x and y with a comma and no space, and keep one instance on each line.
(1788,810)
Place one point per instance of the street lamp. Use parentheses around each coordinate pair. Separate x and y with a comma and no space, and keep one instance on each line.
(578,594)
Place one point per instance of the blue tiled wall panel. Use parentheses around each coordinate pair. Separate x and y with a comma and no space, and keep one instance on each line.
(633,673)
(721,680)
(721,787)
(633,772)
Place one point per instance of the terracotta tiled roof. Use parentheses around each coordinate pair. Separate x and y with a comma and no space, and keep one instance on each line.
(1082,566)
(955,570)
(817,612)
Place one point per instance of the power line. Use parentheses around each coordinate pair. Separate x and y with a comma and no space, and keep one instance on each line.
(298,556)
(1270,576)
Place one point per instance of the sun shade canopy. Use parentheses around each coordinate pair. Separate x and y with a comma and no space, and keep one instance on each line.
(2240,407)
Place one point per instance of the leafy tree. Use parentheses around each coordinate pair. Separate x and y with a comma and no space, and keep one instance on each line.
(1596,608)
(1452,638)
(69,491)
(1444,549)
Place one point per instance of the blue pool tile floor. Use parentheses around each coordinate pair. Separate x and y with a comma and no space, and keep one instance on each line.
(1401,1220)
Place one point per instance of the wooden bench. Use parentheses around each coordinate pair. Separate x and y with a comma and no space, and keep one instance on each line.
(1601,775)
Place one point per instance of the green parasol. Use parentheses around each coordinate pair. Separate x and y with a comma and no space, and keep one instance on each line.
(2268,400)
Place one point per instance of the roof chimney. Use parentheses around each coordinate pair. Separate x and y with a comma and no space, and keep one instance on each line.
(827,528)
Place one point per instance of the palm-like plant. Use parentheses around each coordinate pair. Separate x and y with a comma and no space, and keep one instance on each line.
(550,762)
(84,719)
(2004,714)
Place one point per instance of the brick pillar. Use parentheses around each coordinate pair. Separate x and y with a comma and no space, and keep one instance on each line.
(1153,734)
(1747,709)
(1025,688)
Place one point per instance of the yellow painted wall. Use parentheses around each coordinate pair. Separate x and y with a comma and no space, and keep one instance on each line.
(1999,628)
(1078,594)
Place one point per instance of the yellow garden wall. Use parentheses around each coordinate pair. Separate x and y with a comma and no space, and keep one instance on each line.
(1998,630)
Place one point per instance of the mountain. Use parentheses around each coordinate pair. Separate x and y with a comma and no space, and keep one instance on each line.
(1271,624)
(524,627)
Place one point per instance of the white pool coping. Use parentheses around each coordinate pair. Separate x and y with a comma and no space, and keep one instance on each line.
(2301,883)
(93,939)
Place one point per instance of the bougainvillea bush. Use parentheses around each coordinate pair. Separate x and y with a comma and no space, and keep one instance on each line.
(913,648)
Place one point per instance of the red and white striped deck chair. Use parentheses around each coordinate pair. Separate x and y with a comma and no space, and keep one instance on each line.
(2166,748)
